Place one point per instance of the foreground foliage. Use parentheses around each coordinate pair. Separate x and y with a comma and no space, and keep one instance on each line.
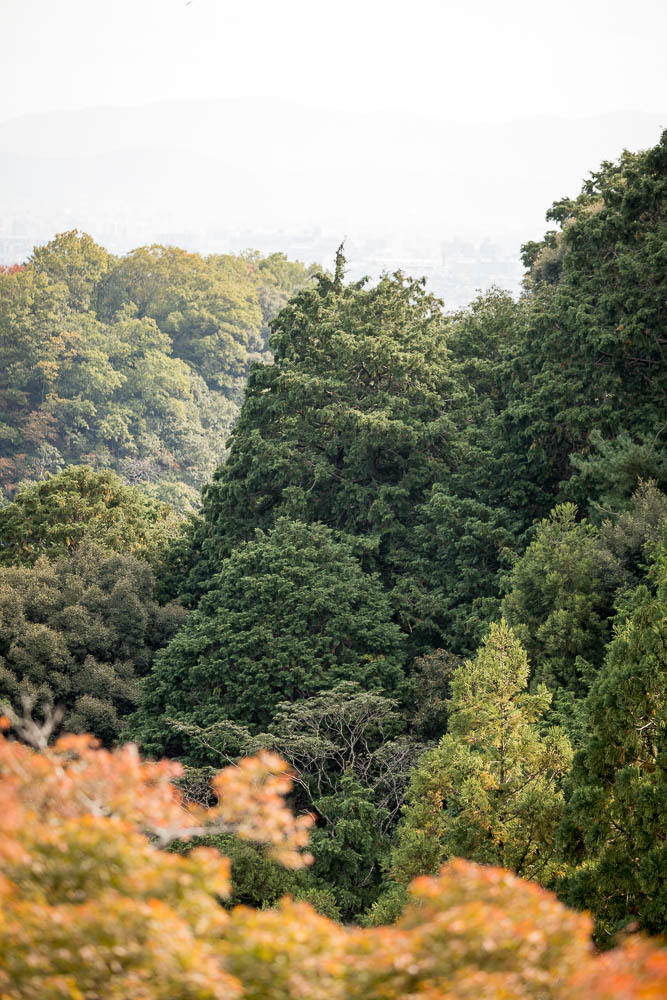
(91,906)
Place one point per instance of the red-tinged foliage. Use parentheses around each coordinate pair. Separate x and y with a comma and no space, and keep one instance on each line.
(289,952)
(92,909)
(635,971)
(89,906)
(476,932)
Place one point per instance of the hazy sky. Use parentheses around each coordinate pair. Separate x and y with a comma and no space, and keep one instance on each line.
(481,59)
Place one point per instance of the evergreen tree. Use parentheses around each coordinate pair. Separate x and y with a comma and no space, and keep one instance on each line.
(472,522)
(560,598)
(490,790)
(349,427)
(350,844)
(589,377)
(291,613)
(614,827)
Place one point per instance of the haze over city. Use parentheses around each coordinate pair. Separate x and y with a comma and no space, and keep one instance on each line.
(423,141)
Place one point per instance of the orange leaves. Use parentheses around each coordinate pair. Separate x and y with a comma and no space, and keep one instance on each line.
(91,908)
(113,947)
(76,778)
(635,971)
(251,799)
(290,953)
(471,933)
(475,932)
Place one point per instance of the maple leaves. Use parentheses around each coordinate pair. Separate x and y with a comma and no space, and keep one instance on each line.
(91,907)
(251,799)
(88,906)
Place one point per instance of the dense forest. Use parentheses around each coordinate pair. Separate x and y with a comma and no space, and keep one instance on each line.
(135,364)
(427,570)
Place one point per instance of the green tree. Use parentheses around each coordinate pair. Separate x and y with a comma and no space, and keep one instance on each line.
(78,633)
(350,844)
(214,309)
(210,314)
(430,684)
(489,791)
(350,764)
(257,880)
(588,372)
(290,614)
(77,261)
(560,599)
(614,827)
(135,363)
(634,533)
(55,516)
(349,427)
(33,344)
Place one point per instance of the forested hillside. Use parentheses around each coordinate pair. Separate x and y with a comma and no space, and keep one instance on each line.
(135,363)
(430,575)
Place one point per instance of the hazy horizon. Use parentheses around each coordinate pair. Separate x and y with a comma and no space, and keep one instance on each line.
(433,140)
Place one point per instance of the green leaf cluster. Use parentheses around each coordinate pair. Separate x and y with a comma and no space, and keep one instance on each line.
(79,632)
(290,613)
(614,829)
(54,516)
(134,363)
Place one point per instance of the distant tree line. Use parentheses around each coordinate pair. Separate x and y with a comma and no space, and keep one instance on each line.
(133,363)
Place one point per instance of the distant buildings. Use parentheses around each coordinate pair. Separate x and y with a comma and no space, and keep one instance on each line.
(456,267)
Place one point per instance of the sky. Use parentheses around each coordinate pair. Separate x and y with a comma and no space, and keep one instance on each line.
(455,59)
(403,127)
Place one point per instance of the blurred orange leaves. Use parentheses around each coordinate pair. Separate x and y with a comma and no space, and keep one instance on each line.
(91,907)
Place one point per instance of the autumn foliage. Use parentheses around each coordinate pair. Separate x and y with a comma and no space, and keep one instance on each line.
(92,906)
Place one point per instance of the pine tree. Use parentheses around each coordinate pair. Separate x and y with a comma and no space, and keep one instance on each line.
(614,827)
(489,790)
(291,614)
(350,426)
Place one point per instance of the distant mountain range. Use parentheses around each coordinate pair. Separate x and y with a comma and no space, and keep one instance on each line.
(220,175)
(265,163)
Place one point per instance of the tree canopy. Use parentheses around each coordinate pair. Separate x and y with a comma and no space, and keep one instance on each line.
(54,516)
(134,363)
(91,906)
(615,824)
(489,790)
(433,537)
(78,633)
(291,613)
(347,427)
